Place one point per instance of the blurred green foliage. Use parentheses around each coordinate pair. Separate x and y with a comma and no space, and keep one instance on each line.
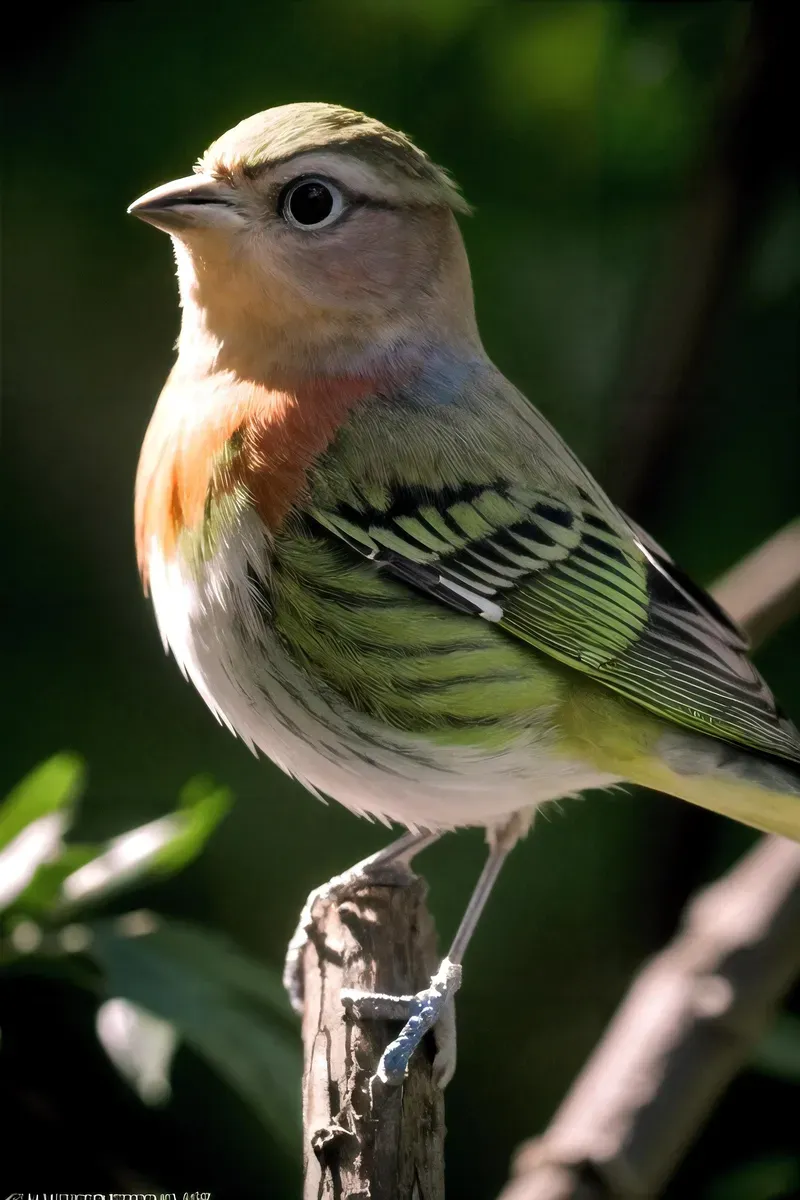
(573,128)
(156,983)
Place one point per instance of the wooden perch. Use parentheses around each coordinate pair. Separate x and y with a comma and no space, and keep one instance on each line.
(364,1140)
(695,1012)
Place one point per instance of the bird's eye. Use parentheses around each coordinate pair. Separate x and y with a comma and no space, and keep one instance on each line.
(311,203)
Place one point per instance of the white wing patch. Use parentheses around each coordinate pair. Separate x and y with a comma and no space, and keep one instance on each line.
(486,608)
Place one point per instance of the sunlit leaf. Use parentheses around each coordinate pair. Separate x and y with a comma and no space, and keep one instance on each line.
(203,804)
(22,858)
(44,890)
(229,1009)
(158,848)
(140,1046)
(51,786)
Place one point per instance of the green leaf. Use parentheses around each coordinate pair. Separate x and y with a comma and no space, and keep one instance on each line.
(778,1053)
(38,842)
(43,893)
(193,948)
(53,785)
(158,848)
(229,1009)
(203,804)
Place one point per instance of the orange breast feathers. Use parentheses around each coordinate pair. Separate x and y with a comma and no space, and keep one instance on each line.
(211,436)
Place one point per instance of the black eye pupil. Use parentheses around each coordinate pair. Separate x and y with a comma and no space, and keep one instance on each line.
(310,203)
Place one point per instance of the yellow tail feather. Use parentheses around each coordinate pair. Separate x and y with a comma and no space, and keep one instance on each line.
(743,800)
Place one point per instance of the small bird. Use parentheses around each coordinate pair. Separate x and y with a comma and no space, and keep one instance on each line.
(376,561)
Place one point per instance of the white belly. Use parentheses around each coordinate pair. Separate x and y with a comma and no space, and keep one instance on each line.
(213,624)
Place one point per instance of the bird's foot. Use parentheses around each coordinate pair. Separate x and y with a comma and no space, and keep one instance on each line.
(432,1008)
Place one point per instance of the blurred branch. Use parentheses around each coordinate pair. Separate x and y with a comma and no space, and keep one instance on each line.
(764,589)
(363,1138)
(694,1013)
(748,151)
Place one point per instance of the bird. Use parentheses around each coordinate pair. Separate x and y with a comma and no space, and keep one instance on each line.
(377,562)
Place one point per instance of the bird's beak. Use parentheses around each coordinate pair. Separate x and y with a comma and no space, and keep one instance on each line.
(196,202)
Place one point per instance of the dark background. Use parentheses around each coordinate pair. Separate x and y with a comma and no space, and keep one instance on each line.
(580,132)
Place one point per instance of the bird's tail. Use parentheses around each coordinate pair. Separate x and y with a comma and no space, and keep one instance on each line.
(758,790)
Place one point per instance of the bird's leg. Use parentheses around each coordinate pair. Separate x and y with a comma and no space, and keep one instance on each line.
(392,865)
(434,1005)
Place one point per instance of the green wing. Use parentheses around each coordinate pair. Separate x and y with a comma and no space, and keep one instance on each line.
(558,573)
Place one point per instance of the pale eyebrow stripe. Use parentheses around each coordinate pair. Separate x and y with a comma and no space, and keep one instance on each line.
(255,170)
(397,154)
(354,192)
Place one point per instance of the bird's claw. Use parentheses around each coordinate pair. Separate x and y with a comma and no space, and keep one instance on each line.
(431,1008)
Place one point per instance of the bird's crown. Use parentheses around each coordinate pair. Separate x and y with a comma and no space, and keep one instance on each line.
(278,135)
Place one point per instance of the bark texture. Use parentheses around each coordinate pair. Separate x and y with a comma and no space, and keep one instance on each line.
(364,1140)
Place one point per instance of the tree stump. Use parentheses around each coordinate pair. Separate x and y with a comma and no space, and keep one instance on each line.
(364,1140)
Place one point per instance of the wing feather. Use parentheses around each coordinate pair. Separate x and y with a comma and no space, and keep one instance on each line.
(557,572)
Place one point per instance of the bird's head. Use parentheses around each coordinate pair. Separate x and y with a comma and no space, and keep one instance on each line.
(313,238)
